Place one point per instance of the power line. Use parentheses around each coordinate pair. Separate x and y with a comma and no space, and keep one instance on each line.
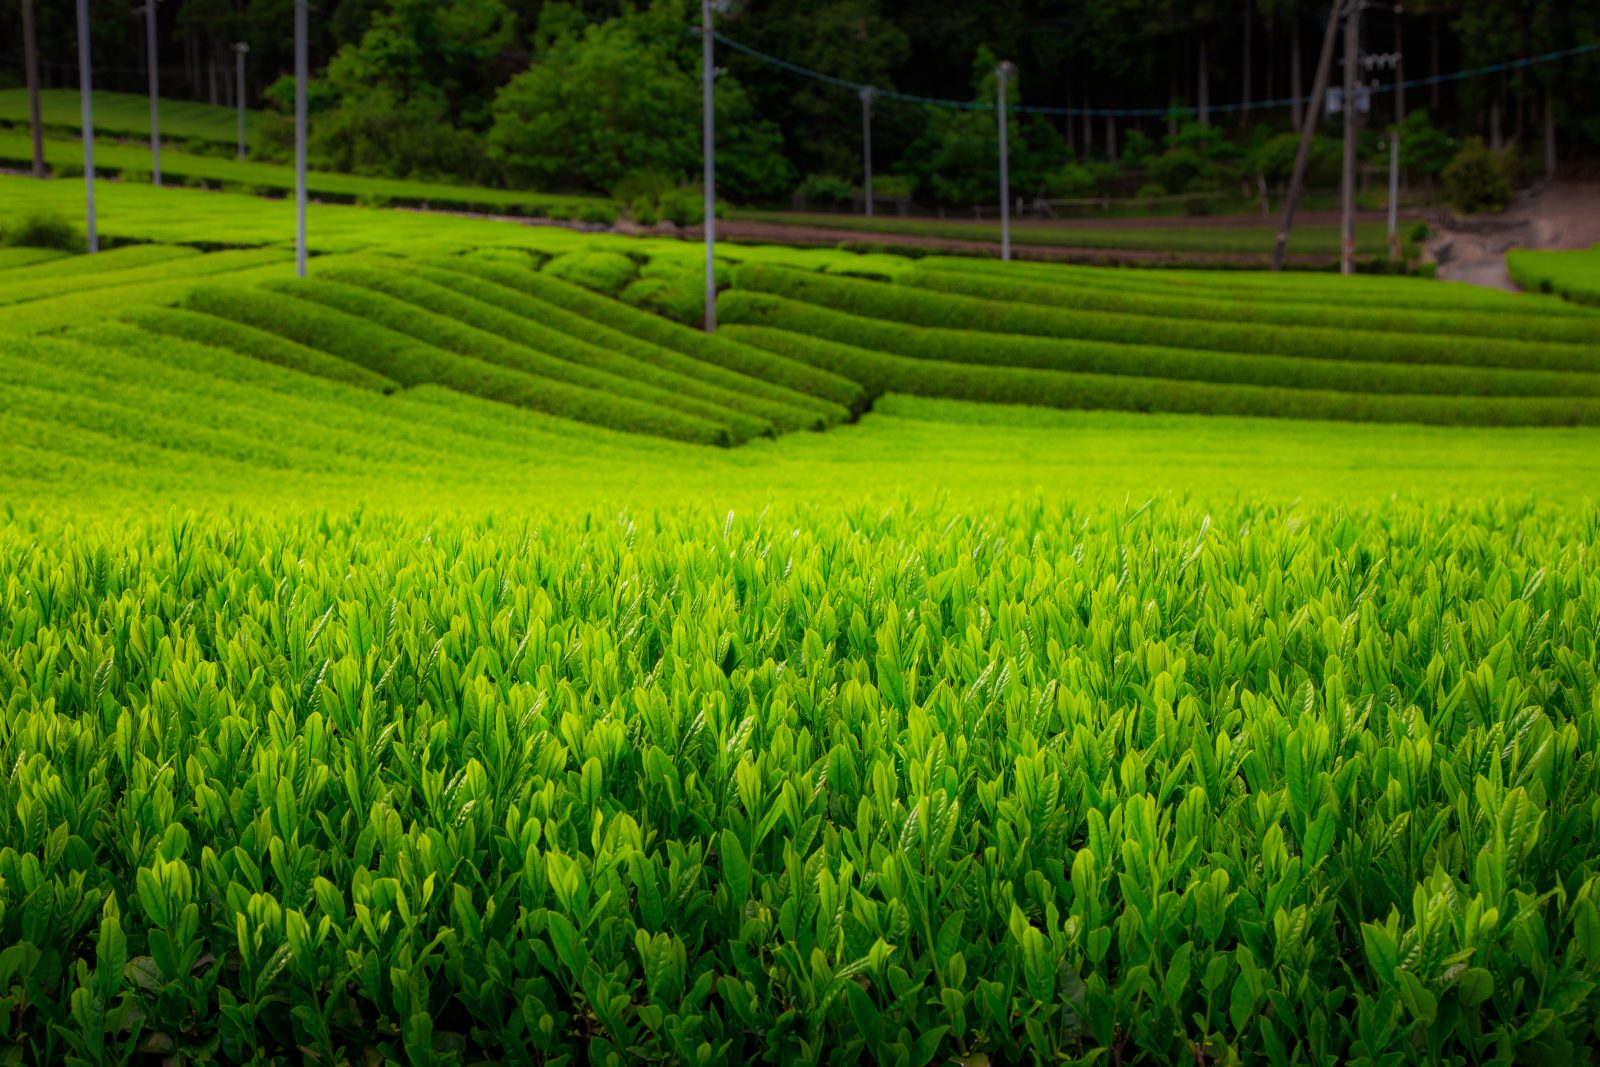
(1135,112)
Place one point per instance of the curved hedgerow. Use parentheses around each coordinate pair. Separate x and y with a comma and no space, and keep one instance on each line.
(474,344)
(411,362)
(499,282)
(1147,361)
(591,366)
(832,389)
(1239,307)
(247,340)
(881,372)
(918,307)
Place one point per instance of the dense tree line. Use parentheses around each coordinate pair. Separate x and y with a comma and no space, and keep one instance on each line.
(603,95)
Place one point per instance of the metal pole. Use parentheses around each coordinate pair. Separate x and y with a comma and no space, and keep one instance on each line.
(1347,204)
(1394,195)
(155,91)
(1308,129)
(239,51)
(868,94)
(30,61)
(85,91)
(709,137)
(1001,73)
(300,138)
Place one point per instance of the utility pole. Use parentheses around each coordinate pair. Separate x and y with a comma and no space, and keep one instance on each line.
(1001,74)
(240,50)
(1394,195)
(1308,130)
(149,11)
(868,95)
(300,138)
(86,92)
(709,144)
(30,60)
(1347,199)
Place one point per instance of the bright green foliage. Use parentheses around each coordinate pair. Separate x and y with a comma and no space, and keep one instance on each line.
(830,390)
(61,278)
(128,115)
(11,258)
(604,272)
(247,340)
(828,785)
(905,304)
(1573,275)
(376,332)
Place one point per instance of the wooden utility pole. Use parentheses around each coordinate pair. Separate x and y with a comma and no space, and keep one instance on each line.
(1319,89)
(30,60)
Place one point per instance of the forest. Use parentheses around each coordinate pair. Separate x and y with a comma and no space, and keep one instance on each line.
(604,96)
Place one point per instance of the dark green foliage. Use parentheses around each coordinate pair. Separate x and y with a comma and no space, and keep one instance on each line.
(918,307)
(41,230)
(830,390)
(1479,179)
(249,341)
(411,362)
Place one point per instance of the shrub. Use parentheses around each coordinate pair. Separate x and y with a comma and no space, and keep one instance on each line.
(1478,179)
(259,344)
(412,362)
(135,176)
(683,207)
(502,284)
(42,229)
(66,170)
(604,272)
(825,190)
(906,304)
(598,213)
(1148,361)
(1016,385)
(643,211)
(827,393)
(462,323)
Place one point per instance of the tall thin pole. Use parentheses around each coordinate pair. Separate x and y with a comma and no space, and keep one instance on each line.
(709,137)
(868,94)
(86,91)
(155,91)
(300,137)
(1319,87)
(1001,73)
(239,51)
(30,60)
(1394,195)
(1347,199)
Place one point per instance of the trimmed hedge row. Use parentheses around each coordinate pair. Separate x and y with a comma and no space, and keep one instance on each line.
(1289,287)
(249,341)
(831,389)
(783,408)
(1573,276)
(881,373)
(192,266)
(1145,361)
(921,307)
(12,258)
(591,366)
(411,362)
(604,272)
(62,265)
(1530,326)
(468,342)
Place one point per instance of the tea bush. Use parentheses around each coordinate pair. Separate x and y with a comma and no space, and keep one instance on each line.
(1044,783)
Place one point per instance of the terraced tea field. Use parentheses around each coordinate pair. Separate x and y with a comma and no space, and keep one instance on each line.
(455,657)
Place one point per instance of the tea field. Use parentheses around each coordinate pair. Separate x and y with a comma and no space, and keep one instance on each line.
(454,657)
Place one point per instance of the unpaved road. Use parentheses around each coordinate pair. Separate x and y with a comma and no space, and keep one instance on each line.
(1556,217)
